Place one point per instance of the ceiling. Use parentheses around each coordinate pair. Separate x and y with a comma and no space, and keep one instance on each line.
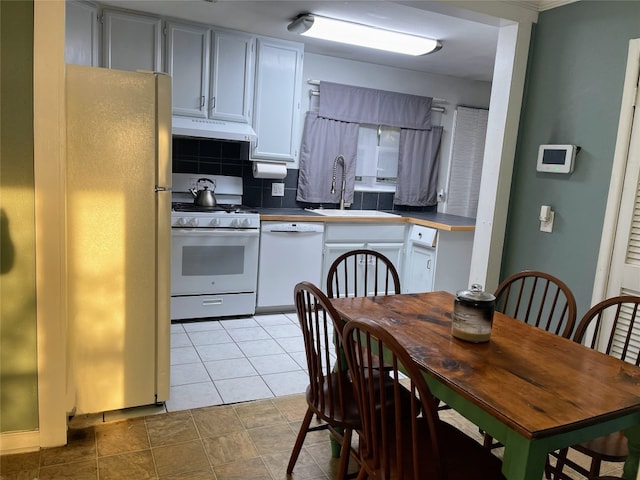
(468,51)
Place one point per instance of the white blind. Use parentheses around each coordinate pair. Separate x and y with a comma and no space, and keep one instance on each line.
(633,248)
(632,257)
(624,327)
(465,168)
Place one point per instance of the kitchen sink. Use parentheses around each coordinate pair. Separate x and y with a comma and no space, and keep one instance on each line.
(335,212)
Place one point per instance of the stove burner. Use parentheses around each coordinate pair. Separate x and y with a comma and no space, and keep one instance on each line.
(192,207)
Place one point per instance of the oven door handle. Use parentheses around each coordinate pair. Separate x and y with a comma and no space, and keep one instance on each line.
(217,232)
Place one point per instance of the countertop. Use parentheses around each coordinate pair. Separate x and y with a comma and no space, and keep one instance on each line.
(441,221)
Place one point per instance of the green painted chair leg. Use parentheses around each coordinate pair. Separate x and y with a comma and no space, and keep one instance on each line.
(335,445)
(630,470)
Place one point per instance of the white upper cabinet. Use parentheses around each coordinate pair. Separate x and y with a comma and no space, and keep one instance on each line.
(231,80)
(212,72)
(188,65)
(81,34)
(131,41)
(277,99)
(217,74)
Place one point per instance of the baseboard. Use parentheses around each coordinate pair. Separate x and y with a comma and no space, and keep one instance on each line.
(19,442)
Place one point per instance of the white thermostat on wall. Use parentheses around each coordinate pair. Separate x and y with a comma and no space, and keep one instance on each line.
(556,158)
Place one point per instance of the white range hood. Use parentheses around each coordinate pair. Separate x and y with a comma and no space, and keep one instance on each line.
(204,128)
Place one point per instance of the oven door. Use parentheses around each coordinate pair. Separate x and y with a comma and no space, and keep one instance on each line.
(211,261)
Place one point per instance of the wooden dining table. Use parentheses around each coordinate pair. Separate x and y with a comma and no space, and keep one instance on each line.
(533,391)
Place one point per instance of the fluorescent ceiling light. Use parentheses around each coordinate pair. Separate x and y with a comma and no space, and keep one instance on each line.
(362,35)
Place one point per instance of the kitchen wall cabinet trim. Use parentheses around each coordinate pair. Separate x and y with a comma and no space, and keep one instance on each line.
(81,34)
(277,99)
(187,61)
(131,41)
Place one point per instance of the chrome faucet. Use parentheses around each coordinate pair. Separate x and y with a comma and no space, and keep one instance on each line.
(339,159)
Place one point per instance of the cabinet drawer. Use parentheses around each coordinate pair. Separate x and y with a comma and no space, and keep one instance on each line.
(365,233)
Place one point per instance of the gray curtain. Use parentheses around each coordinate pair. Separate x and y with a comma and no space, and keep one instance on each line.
(334,131)
(417,182)
(322,141)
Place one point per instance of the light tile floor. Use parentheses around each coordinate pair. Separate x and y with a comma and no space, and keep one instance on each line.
(217,362)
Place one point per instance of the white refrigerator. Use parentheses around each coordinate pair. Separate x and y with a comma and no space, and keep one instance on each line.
(118,208)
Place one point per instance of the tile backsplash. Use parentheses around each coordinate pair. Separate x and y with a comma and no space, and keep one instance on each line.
(219,157)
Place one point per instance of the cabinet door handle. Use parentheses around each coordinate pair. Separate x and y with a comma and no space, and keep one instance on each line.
(369,261)
(202,101)
(213,103)
(429,264)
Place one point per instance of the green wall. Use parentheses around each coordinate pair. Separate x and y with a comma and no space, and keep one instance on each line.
(18,353)
(573,94)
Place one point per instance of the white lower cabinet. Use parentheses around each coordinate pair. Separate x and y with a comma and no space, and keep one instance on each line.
(419,270)
(437,260)
(387,239)
(453,261)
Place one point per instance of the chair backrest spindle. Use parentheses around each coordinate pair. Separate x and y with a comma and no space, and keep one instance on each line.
(613,326)
(539,299)
(360,273)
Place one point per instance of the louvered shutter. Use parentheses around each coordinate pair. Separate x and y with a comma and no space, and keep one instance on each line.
(633,249)
(465,167)
(620,335)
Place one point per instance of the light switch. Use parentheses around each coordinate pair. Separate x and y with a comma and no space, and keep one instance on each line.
(546,219)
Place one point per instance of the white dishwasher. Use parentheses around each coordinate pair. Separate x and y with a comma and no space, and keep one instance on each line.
(289,253)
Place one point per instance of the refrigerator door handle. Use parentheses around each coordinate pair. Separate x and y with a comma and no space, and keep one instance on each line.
(162,189)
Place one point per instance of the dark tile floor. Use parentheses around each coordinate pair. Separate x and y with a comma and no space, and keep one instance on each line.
(244,441)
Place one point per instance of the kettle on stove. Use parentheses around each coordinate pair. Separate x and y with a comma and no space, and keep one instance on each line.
(204,197)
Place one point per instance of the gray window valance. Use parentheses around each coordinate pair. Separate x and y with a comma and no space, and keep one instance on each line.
(376,107)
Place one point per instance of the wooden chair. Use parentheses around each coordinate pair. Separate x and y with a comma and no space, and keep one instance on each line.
(397,442)
(539,299)
(611,326)
(362,273)
(330,394)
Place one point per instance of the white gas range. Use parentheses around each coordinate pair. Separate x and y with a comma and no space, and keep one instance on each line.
(214,251)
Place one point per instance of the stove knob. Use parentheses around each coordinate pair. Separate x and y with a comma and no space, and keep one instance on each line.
(235,223)
(246,222)
(181,222)
(192,222)
(214,222)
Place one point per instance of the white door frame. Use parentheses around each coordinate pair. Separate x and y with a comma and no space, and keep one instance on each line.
(49,160)
(499,153)
(625,123)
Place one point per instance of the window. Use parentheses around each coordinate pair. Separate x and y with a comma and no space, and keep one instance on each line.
(377,158)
